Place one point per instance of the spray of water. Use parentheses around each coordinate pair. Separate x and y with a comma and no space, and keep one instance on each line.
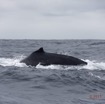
(15,61)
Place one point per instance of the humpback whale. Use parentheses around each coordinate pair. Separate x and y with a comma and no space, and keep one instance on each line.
(45,58)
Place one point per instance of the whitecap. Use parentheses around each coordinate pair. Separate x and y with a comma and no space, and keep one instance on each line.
(15,61)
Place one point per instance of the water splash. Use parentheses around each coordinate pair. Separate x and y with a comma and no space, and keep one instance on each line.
(15,61)
(94,65)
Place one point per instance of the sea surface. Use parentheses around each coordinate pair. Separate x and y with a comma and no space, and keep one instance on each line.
(53,84)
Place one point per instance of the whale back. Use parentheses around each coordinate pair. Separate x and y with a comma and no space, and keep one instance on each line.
(45,58)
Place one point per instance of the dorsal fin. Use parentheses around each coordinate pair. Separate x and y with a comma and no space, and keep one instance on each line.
(40,50)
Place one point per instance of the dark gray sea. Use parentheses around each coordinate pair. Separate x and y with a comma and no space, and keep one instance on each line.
(53,84)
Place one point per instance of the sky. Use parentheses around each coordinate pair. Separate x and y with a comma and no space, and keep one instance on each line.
(52,19)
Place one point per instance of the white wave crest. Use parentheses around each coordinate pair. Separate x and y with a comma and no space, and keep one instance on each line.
(49,66)
(12,61)
(92,65)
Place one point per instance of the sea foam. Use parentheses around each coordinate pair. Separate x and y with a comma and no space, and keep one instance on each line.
(15,61)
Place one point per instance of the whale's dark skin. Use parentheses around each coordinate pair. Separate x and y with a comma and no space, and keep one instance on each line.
(44,58)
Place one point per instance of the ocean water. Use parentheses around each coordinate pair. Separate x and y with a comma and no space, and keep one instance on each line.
(53,84)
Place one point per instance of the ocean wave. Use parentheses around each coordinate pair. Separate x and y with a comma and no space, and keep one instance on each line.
(98,43)
(92,65)
(15,61)
(42,77)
